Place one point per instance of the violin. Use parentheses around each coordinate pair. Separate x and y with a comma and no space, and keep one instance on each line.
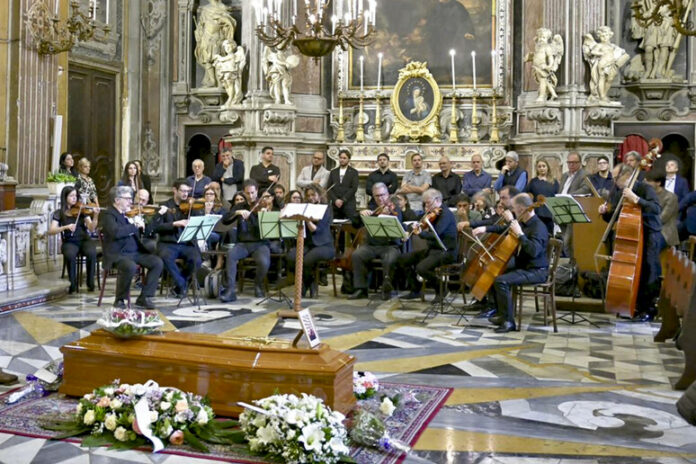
(89,209)
(196,205)
(428,217)
(147,210)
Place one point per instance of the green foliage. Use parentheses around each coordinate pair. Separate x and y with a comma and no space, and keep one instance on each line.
(59,177)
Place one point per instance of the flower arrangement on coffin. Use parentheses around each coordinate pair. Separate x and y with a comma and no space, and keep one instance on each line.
(126,323)
(365,385)
(128,416)
(295,429)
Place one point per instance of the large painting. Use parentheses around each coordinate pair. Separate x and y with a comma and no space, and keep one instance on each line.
(426,30)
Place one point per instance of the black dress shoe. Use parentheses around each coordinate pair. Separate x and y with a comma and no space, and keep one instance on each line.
(145,302)
(228,296)
(497,320)
(358,294)
(412,296)
(485,314)
(120,304)
(505,327)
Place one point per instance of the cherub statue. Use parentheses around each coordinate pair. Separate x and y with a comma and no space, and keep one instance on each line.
(605,60)
(214,25)
(228,70)
(659,42)
(276,67)
(545,60)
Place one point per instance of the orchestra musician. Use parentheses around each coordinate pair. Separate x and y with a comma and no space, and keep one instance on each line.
(423,262)
(318,244)
(123,249)
(388,250)
(529,266)
(645,196)
(75,226)
(168,224)
(248,243)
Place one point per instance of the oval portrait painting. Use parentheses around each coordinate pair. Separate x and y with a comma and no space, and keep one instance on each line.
(416,99)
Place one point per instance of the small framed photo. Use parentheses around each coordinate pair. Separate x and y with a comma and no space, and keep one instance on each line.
(308,327)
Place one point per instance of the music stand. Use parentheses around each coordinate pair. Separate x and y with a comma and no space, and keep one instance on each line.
(567,211)
(272,227)
(198,228)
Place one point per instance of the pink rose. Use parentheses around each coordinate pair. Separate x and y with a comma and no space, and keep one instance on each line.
(103,402)
(136,429)
(181,406)
(176,438)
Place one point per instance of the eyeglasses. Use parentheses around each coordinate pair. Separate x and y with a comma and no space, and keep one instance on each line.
(126,198)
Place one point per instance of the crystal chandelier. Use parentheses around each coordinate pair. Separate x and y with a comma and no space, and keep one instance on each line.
(351,25)
(675,11)
(53,36)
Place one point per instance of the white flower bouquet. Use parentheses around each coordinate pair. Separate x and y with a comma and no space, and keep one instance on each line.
(368,429)
(127,416)
(365,385)
(295,429)
(126,323)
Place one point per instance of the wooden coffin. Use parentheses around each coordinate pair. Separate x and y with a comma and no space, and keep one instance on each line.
(226,369)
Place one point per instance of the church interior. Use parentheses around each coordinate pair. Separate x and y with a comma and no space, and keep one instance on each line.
(486,206)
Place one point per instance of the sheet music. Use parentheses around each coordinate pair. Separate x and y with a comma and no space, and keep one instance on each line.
(306,210)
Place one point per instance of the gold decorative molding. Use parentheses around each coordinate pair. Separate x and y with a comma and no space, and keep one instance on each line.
(415,75)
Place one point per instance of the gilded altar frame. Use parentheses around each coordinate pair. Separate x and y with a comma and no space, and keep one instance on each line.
(411,119)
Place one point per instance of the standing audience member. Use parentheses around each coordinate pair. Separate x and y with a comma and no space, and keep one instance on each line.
(477,179)
(674,182)
(602,180)
(315,173)
(543,184)
(382,174)
(67,165)
(573,181)
(85,185)
(343,186)
(447,182)
(511,174)
(229,172)
(687,216)
(265,173)
(415,182)
(669,205)
(198,181)
(130,177)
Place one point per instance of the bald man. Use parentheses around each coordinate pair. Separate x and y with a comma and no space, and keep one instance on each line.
(447,182)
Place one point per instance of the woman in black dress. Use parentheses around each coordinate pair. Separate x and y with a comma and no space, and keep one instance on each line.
(76,230)
(543,184)
(67,164)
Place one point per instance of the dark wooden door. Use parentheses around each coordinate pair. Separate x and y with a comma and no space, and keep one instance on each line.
(92,124)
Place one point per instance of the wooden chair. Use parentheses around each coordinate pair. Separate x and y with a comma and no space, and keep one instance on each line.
(544,290)
(692,246)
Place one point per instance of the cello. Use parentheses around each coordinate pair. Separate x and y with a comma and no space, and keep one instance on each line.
(494,259)
(627,257)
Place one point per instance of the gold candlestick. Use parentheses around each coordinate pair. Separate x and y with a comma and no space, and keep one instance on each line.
(360,132)
(340,133)
(495,135)
(378,121)
(474,137)
(453,136)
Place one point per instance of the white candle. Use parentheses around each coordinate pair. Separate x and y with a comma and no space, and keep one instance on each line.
(294,7)
(494,65)
(454,85)
(333,24)
(473,67)
(339,9)
(379,70)
(362,60)
(57,5)
(366,19)
(107,12)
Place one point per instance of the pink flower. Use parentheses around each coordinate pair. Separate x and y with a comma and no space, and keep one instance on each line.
(181,406)
(176,438)
(103,402)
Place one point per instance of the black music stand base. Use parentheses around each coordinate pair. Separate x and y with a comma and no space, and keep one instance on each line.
(277,297)
(575,318)
(195,298)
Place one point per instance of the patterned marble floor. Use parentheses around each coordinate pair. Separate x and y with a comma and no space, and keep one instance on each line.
(585,395)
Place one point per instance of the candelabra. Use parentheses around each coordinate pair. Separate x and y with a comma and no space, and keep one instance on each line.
(352,26)
(359,131)
(453,137)
(495,134)
(474,136)
(378,120)
(53,36)
(340,133)
(677,12)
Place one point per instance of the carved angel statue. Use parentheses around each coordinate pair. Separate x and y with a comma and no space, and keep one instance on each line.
(545,60)
(276,66)
(605,60)
(214,25)
(228,70)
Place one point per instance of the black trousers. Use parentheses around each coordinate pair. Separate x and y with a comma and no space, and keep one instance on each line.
(423,263)
(127,267)
(70,251)
(312,258)
(366,253)
(170,252)
(500,294)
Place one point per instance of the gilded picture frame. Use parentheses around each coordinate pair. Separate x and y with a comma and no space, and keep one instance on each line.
(416,103)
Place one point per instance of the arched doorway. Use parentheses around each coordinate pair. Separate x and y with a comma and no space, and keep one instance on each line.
(676,146)
(199,147)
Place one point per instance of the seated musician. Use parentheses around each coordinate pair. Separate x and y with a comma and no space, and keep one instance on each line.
(529,266)
(424,262)
(123,249)
(318,243)
(75,226)
(267,203)
(248,243)
(169,223)
(645,196)
(506,194)
(388,250)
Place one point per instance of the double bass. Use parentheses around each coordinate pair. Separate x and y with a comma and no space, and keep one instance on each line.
(627,258)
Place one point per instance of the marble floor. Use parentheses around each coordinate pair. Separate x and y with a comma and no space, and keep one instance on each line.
(584,395)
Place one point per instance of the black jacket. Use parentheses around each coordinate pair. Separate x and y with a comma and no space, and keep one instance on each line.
(345,190)
(532,252)
(120,236)
(237,174)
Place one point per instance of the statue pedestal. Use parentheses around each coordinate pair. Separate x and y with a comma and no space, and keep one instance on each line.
(16,234)
(278,119)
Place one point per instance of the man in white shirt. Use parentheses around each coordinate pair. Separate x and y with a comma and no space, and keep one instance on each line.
(573,181)
(315,173)
(416,182)
(675,183)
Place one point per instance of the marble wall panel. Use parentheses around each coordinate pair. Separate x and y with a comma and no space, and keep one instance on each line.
(533,19)
(314,125)
(306,77)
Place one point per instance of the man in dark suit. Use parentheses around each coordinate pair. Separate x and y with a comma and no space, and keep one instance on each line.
(687,214)
(122,249)
(675,183)
(343,185)
(229,172)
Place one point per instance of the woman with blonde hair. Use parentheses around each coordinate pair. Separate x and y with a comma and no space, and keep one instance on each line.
(543,185)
